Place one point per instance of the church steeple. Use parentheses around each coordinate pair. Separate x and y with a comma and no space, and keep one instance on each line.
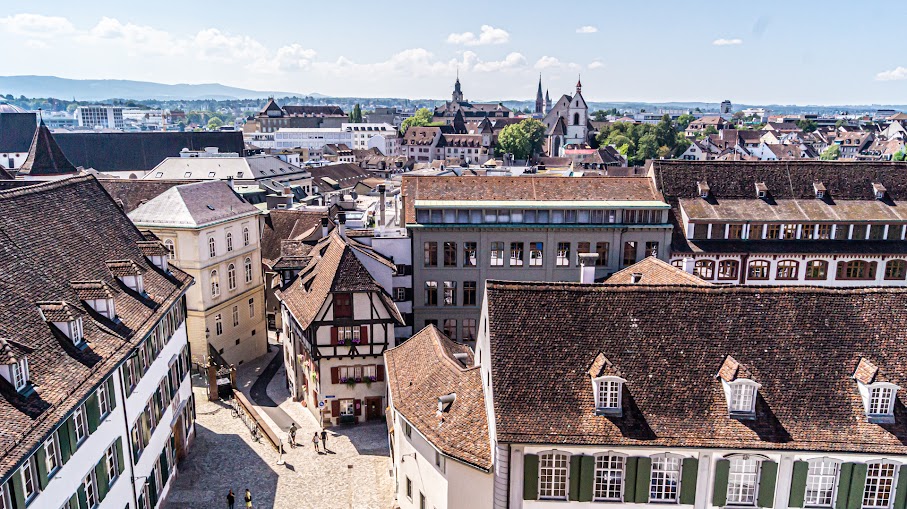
(539,100)
(579,85)
(457,95)
(547,101)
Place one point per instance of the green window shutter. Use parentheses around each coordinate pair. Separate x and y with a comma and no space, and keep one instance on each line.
(63,436)
(120,463)
(100,475)
(768,475)
(83,497)
(587,478)
(643,478)
(688,473)
(111,396)
(152,490)
(41,460)
(93,409)
(798,484)
(18,492)
(900,492)
(530,477)
(722,471)
(630,480)
(573,488)
(74,501)
(844,475)
(73,441)
(165,468)
(857,485)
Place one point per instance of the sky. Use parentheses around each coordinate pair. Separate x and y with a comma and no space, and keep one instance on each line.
(767,52)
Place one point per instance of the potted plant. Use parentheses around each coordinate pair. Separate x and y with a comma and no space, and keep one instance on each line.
(350,382)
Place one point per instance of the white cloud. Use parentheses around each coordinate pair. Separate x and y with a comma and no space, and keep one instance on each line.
(547,62)
(137,39)
(727,42)
(898,73)
(511,61)
(289,58)
(217,46)
(487,35)
(595,65)
(588,29)
(37,25)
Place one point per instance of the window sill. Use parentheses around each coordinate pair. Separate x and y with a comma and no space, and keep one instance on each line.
(609,412)
(743,416)
(880,419)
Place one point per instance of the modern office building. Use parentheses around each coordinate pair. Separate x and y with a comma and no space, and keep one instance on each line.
(100,116)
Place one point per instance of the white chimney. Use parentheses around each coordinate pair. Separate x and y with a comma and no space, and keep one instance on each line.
(587,267)
(446,401)
(324,227)
(341,223)
(689,265)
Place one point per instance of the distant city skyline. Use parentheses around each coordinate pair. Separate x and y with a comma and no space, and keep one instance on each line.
(767,53)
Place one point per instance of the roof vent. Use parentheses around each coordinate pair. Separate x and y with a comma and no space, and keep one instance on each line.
(636,277)
(462,358)
(819,188)
(704,189)
(761,190)
(879,190)
(446,401)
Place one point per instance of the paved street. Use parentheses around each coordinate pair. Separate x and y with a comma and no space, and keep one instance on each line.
(355,474)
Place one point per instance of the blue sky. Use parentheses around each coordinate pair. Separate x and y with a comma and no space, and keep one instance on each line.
(830,52)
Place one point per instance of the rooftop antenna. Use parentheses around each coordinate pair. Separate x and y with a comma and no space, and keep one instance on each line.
(40,117)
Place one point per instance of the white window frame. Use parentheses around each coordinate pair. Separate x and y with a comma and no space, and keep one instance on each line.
(5,500)
(103,399)
(19,371)
(247,266)
(212,247)
(737,494)
(558,487)
(245,235)
(76,333)
(229,241)
(90,483)
(215,283)
(252,307)
(877,390)
(231,277)
(603,478)
(667,476)
(113,467)
(52,460)
(171,248)
(817,482)
(877,477)
(29,479)
(605,389)
(78,418)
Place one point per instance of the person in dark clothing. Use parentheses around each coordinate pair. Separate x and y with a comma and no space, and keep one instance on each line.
(231,499)
(315,441)
(248,498)
(293,435)
(324,440)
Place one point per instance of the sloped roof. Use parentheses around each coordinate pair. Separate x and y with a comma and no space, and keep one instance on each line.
(16,131)
(801,344)
(289,224)
(130,194)
(423,369)
(653,271)
(78,230)
(193,206)
(45,156)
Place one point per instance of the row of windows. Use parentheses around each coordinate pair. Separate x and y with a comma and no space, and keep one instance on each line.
(536,250)
(231,277)
(212,243)
(138,363)
(449,326)
(794,231)
(532,216)
(219,319)
(449,293)
(818,478)
(145,425)
(789,270)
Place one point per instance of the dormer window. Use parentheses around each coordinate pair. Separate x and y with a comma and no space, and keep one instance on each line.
(129,273)
(104,307)
(878,190)
(879,396)
(156,252)
(66,318)
(19,372)
(704,189)
(743,397)
(740,389)
(761,190)
(13,364)
(881,400)
(819,188)
(608,394)
(73,330)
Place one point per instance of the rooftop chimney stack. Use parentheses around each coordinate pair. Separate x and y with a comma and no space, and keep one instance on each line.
(689,265)
(324,227)
(382,192)
(587,267)
(341,222)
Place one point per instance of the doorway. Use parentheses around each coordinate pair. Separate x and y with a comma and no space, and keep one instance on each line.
(373,408)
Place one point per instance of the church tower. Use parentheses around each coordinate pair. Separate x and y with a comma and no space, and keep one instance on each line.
(457,95)
(547,102)
(539,100)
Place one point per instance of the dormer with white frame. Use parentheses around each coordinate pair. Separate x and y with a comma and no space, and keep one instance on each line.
(66,318)
(704,189)
(129,273)
(819,189)
(607,387)
(156,253)
(761,190)
(879,191)
(14,365)
(878,395)
(98,295)
(740,389)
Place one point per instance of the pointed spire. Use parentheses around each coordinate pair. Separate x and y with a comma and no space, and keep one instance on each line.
(45,157)
(579,85)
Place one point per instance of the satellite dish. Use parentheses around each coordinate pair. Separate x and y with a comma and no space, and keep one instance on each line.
(354,195)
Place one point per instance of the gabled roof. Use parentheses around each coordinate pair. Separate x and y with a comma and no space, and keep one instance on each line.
(670,341)
(420,371)
(653,271)
(45,156)
(193,206)
(281,225)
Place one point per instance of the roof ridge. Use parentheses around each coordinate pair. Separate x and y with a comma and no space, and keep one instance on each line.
(44,186)
(600,287)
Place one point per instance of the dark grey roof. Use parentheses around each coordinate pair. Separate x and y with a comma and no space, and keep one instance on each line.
(16,131)
(192,205)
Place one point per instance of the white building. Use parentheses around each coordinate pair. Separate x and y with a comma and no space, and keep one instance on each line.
(312,138)
(382,136)
(108,117)
(96,408)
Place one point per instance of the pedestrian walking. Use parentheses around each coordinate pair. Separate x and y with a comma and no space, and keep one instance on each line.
(248,498)
(324,440)
(293,435)
(231,499)
(315,441)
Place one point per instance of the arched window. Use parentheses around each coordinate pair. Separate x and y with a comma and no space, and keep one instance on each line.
(554,470)
(576,119)
(608,391)
(665,479)
(742,480)
(171,249)
(787,269)
(245,236)
(816,270)
(215,284)
(705,269)
(609,477)
(248,267)
(879,484)
(758,269)
(212,248)
(821,478)
(231,277)
(895,269)
(728,269)
(229,242)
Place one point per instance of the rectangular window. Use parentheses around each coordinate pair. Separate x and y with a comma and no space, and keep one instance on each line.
(450,328)
(469,329)
(218,324)
(807,231)
(347,407)
(104,399)
(553,475)
(29,479)
(609,478)
(790,231)
(343,305)
(5,500)
(348,335)
(469,293)
(431,293)
(741,487)
(651,249)
(582,247)
(842,232)
(252,307)
(563,254)
(516,254)
(879,485)
(894,232)
(450,293)
(536,254)
(469,254)
(409,489)
(81,426)
(235,316)
(700,230)
(820,483)
(51,454)
(431,255)
(450,254)
(497,254)
(665,479)
(772,231)
(824,232)
(439,460)
(399,294)
(602,249)
(629,253)
(91,493)
(113,467)
(422,503)
(735,231)
(877,232)
(755,232)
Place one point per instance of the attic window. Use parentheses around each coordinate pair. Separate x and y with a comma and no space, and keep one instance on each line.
(820,190)
(608,399)
(704,189)
(879,191)
(739,389)
(159,174)
(13,367)
(211,174)
(239,174)
(878,396)
(761,190)
(65,317)
(187,174)
(129,273)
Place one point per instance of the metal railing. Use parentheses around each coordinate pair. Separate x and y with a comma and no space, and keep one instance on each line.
(242,409)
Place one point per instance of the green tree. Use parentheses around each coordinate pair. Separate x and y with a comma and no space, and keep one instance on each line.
(214,123)
(831,153)
(839,123)
(647,148)
(665,133)
(681,144)
(807,126)
(899,155)
(356,114)
(523,139)
(684,120)
(420,118)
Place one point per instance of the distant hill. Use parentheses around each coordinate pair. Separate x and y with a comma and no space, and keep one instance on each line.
(97,90)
